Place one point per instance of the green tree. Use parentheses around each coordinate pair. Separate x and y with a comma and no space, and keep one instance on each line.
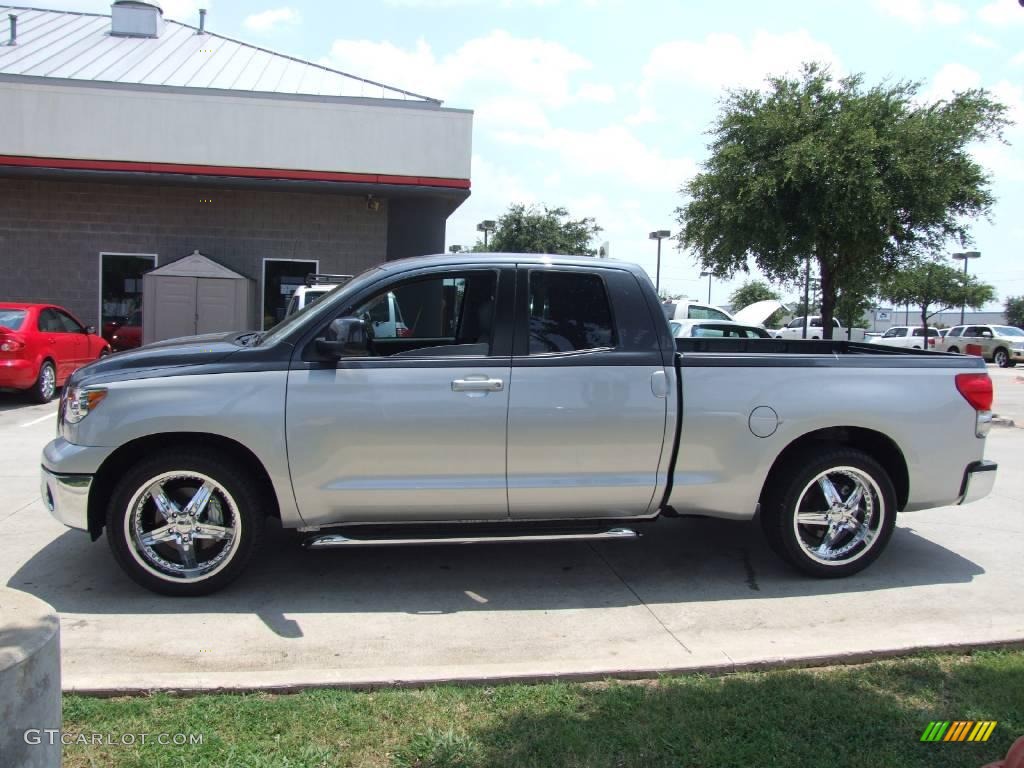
(753,291)
(533,229)
(1014,308)
(932,285)
(860,179)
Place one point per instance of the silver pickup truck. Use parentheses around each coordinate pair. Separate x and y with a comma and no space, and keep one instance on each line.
(527,398)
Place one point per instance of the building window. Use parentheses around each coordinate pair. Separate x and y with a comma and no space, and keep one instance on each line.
(280,279)
(121,284)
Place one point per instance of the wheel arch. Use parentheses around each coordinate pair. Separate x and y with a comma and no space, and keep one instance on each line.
(879,446)
(120,460)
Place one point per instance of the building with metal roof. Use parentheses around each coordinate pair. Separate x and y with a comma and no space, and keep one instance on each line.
(130,140)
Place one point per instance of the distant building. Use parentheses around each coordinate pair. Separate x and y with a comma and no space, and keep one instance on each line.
(884,319)
(129,141)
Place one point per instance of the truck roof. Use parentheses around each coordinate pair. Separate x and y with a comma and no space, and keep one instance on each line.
(457,259)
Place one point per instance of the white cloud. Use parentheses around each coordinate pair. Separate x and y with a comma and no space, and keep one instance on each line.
(725,60)
(267,21)
(610,150)
(595,92)
(919,12)
(540,69)
(1012,95)
(951,79)
(1001,13)
(642,116)
(1018,59)
(980,41)
(510,113)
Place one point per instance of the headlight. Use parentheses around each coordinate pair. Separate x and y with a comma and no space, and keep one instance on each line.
(81,401)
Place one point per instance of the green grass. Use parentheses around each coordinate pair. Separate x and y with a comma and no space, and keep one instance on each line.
(866,715)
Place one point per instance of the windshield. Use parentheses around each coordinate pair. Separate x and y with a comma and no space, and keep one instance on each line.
(12,318)
(1001,330)
(315,308)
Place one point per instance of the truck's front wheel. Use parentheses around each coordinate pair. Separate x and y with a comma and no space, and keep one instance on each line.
(829,512)
(184,523)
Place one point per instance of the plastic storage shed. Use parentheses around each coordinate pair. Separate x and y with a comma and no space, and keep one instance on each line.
(194,295)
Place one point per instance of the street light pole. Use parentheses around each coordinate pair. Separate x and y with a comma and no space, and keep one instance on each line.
(708,276)
(658,235)
(965,257)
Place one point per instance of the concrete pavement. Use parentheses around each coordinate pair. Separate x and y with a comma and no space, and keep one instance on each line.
(691,594)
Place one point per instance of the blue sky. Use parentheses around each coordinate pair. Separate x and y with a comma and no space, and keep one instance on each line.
(602,105)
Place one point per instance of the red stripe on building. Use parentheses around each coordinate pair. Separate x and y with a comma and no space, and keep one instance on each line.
(228,170)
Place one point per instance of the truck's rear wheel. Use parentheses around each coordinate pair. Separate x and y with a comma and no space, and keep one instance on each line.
(185,523)
(831,512)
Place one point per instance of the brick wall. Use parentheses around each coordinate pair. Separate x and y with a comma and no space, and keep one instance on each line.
(52,232)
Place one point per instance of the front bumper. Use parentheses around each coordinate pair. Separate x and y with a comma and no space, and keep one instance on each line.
(67,497)
(1017,355)
(979,477)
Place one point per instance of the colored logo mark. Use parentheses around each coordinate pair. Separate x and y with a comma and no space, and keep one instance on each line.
(959,730)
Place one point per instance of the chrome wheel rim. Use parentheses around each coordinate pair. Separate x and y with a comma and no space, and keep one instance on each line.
(1001,359)
(839,516)
(48,380)
(182,526)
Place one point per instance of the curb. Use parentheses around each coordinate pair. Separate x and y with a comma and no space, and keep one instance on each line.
(1002,421)
(712,670)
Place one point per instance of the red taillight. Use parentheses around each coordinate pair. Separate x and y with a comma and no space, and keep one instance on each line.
(402,332)
(976,389)
(10,344)
(931,341)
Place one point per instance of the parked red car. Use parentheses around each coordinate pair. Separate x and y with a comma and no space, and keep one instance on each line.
(41,345)
(125,333)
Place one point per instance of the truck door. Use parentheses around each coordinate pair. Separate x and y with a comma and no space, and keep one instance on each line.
(588,402)
(416,430)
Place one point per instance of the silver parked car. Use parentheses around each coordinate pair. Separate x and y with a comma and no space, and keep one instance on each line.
(999,344)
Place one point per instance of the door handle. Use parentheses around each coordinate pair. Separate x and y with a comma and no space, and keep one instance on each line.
(478,385)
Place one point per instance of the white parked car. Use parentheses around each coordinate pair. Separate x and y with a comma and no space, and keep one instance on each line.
(794,330)
(753,314)
(908,337)
(317,286)
(686,329)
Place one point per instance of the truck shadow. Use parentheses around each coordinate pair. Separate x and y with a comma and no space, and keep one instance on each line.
(676,561)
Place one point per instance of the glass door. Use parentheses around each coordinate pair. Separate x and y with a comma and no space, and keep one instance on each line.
(121,289)
(280,279)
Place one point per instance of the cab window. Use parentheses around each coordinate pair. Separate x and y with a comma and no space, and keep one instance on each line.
(443,315)
(569,312)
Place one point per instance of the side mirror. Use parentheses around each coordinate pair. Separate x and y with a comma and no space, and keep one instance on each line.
(91,330)
(346,337)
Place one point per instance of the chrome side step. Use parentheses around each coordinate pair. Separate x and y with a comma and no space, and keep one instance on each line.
(336,540)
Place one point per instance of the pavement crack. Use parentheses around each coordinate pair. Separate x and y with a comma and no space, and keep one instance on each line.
(637,596)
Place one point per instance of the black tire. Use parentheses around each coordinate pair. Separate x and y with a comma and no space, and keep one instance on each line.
(1001,358)
(236,504)
(953,349)
(46,383)
(792,541)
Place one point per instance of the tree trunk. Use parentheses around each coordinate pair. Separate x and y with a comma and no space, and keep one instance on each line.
(924,325)
(828,295)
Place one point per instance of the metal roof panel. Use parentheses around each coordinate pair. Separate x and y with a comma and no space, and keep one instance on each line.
(79,46)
